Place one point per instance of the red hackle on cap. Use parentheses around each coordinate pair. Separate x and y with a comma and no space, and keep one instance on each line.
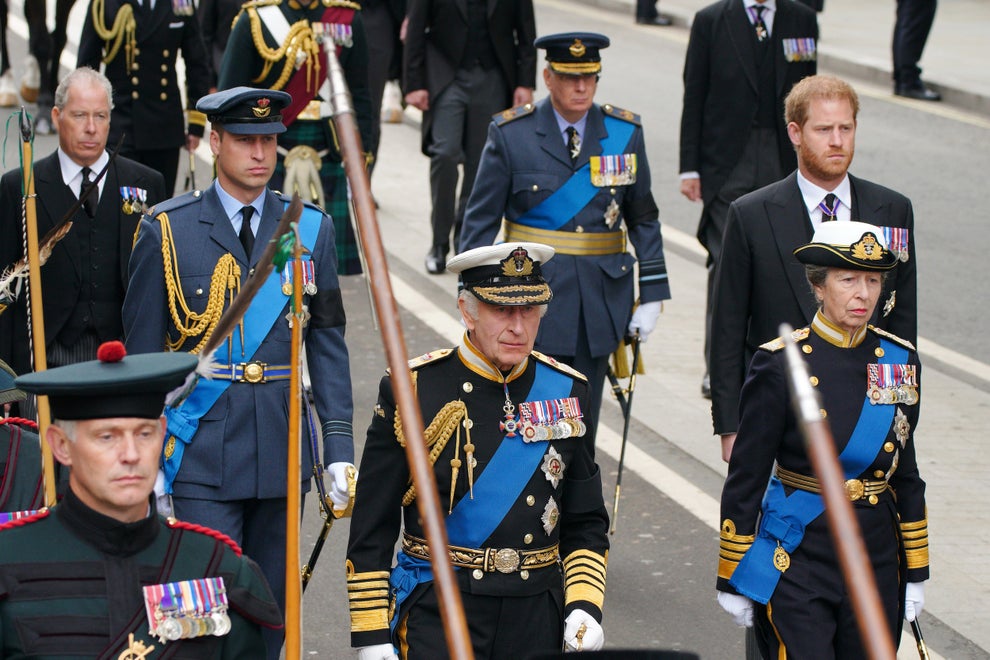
(111,351)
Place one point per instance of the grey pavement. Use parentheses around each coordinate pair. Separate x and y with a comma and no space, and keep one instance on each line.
(856,36)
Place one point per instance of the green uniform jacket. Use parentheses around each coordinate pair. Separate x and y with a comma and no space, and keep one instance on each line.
(71,585)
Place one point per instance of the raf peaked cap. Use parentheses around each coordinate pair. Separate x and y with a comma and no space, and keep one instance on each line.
(246,110)
(574,53)
(505,274)
(849,245)
(113,385)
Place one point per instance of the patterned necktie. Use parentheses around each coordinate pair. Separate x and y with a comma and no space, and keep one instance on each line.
(246,235)
(829,207)
(573,143)
(761,27)
(93,198)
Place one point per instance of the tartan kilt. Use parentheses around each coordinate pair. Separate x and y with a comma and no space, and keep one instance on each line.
(316,134)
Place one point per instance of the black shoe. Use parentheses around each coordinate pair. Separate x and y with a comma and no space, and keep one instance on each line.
(659,19)
(706,387)
(436,260)
(917,90)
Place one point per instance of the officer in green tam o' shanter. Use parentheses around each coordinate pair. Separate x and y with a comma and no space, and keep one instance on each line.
(514,464)
(101,574)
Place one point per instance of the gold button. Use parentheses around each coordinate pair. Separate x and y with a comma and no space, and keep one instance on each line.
(524,575)
(579,229)
(197,193)
(823,413)
(134,67)
(164,82)
(528,106)
(530,500)
(165,53)
(467,387)
(607,107)
(134,95)
(250,272)
(814,381)
(878,474)
(612,191)
(199,292)
(806,348)
(528,539)
(535,187)
(873,499)
(478,574)
(164,68)
(134,80)
(888,447)
(878,352)
(164,96)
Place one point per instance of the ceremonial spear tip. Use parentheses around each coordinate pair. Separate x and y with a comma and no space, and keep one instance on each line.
(26,128)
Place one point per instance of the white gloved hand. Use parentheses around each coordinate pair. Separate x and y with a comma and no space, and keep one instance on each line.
(914,600)
(739,607)
(582,632)
(644,319)
(338,491)
(377,652)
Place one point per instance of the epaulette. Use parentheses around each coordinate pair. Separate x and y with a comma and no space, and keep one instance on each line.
(777,344)
(175,203)
(259,3)
(559,366)
(511,114)
(15,521)
(619,113)
(432,356)
(892,337)
(347,4)
(207,531)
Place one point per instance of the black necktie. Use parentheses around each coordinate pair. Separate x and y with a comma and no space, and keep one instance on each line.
(93,198)
(573,143)
(246,235)
(829,207)
(761,27)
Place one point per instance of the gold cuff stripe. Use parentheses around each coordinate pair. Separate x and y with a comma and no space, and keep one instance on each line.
(196,117)
(367,594)
(734,546)
(726,568)
(913,526)
(369,620)
(590,578)
(917,558)
(368,575)
(584,592)
(586,555)
(354,585)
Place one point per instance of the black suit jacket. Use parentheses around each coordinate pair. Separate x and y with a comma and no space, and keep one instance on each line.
(436,38)
(721,87)
(60,276)
(761,284)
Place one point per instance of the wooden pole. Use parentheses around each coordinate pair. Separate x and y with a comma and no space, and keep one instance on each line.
(34,294)
(846,535)
(293,585)
(428,498)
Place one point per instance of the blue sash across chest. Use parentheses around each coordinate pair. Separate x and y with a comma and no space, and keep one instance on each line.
(567,201)
(785,517)
(261,316)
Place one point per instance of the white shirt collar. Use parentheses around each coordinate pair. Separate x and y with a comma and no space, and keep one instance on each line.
(72,171)
(813,194)
(562,124)
(232,207)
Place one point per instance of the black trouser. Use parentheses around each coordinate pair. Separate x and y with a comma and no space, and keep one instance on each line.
(914,22)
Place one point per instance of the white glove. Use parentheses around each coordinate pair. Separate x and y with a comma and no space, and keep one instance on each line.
(377,652)
(582,632)
(162,500)
(644,319)
(739,607)
(914,600)
(338,492)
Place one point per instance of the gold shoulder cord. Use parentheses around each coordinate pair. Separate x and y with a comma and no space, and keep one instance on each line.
(226,278)
(298,44)
(121,33)
(437,434)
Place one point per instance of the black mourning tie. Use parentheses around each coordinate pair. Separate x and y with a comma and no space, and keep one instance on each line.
(761,28)
(829,206)
(93,198)
(573,143)
(246,235)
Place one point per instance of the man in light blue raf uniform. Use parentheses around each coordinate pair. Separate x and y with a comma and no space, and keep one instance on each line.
(573,174)
(225,458)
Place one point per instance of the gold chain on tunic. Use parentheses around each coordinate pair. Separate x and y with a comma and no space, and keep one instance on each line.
(436,435)
(300,44)
(122,32)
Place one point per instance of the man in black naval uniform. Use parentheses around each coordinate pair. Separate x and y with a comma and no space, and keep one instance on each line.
(139,42)
(101,574)
(568,172)
(514,465)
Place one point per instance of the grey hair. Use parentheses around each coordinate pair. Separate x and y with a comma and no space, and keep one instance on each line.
(68,427)
(471,304)
(79,76)
(817,274)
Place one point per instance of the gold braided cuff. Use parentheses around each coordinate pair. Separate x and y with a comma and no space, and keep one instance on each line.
(914,535)
(584,577)
(731,548)
(195,117)
(367,594)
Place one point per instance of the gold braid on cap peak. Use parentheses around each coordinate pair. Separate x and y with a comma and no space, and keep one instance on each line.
(300,45)
(226,279)
(576,68)
(121,33)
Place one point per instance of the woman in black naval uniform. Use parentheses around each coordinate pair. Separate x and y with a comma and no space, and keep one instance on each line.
(776,559)
(526,522)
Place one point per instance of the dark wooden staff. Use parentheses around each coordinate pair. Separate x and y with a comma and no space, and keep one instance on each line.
(624,397)
(842,524)
(428,498)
